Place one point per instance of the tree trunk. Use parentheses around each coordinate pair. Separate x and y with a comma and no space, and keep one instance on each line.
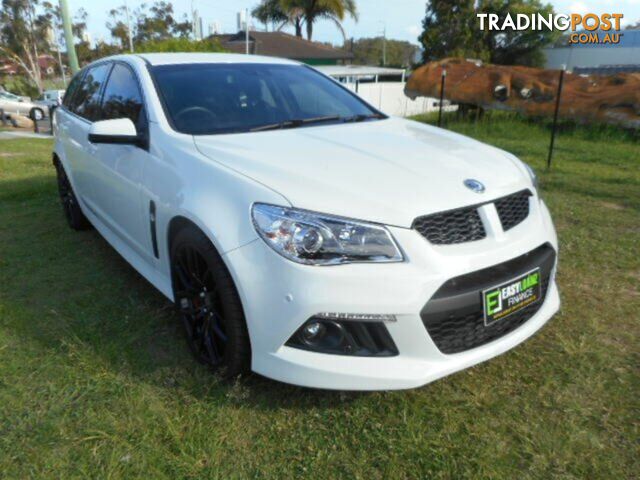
(309,28)
(298,26)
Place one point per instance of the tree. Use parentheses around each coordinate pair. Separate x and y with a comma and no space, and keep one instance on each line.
(22,36)
(148,24)
(180,45)
(271,11)
(513,47)
(635,26)
(451,29)
(118,26)
(368,51)
(305,12)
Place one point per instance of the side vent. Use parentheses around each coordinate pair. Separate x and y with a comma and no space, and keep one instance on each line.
(152,226)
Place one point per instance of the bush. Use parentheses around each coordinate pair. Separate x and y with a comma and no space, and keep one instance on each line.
(179,45)
(19,85)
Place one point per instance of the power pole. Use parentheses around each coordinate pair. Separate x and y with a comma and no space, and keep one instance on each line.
(384,45)
(384,42)
(68,37)
(246,30)
(126,11)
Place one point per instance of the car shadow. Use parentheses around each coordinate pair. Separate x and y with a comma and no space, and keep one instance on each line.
(72,290)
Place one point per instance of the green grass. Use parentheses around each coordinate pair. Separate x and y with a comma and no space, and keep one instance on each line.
(96,381)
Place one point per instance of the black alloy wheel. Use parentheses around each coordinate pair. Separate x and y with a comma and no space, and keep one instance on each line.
(209,305)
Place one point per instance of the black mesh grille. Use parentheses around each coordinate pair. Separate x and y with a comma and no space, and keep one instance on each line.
(513,209)
(464,224)
(455,226)
(454,318)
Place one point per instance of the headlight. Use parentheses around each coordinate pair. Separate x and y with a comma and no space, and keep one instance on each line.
(318,239)
(532,175)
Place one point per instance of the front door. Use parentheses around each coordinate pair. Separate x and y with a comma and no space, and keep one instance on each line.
(117,179)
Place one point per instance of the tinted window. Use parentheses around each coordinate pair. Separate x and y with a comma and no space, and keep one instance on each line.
(122,98)
(223,98)
(86,102)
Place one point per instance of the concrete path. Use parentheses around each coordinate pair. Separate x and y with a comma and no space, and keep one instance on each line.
(4,135)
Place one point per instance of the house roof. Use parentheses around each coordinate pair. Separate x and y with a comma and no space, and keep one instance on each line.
(280,44)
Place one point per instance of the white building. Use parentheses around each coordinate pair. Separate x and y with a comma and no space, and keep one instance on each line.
(382,87)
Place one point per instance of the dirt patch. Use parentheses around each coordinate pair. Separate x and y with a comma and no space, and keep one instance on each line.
(612,206)
(9,155)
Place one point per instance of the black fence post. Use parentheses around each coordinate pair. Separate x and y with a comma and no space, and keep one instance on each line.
(555,118)
(51,110)
(442,82)
(3,119)
(32,116)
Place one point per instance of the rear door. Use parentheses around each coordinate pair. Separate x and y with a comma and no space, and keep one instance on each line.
(82,109)
(117,176)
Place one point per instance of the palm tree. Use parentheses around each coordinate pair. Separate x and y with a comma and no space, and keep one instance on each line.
(305,12)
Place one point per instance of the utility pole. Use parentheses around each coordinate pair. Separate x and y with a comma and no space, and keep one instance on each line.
(246,30)
(384,42)
(126,11)
(68,36)
(384,45)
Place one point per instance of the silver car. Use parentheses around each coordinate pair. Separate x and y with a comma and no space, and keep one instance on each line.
(13,104)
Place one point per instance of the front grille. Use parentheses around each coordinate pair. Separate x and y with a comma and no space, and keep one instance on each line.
(465,225)
(513,209)
(454,318)
(456,226)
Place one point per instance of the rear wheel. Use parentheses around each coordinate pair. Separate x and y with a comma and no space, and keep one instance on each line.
(73,214)
(209,305)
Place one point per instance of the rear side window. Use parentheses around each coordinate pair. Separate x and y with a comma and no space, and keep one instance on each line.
(86,102)
(122,97)
(72,88)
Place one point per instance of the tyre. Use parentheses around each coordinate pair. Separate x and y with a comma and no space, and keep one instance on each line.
(71,208)
(36,114)
(209,305)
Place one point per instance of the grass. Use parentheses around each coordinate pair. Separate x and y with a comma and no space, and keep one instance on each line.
(96,381)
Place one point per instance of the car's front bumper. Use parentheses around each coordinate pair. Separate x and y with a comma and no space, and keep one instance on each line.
(279,296)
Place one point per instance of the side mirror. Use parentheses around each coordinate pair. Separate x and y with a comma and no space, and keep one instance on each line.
(120,131)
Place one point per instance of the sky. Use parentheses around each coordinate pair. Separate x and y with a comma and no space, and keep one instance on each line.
(401,18)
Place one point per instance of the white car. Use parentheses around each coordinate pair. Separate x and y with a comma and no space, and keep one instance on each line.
(302,233)
(15,105)
(50,98)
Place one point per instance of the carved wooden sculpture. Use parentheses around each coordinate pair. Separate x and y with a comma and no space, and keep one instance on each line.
(532,91)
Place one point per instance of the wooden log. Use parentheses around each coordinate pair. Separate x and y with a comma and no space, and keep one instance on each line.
(20,121)
(587,99)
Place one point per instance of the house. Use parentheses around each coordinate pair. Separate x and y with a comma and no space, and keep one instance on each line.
(280,44)
(48,66)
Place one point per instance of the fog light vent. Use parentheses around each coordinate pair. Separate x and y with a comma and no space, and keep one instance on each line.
(326,333)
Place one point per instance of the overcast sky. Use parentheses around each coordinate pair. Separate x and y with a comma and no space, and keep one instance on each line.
(402,18)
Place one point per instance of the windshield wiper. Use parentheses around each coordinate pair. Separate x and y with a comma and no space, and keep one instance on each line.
(362,117)
(296,123)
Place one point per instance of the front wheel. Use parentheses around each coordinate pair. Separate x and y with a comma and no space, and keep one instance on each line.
(209,305)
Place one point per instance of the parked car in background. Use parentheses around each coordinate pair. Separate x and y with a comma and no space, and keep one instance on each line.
(13,104)
(50,98)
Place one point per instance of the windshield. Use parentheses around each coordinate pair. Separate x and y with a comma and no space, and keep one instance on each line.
(227,98)
(9,96)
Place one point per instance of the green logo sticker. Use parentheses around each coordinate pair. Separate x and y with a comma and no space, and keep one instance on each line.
(510,297)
